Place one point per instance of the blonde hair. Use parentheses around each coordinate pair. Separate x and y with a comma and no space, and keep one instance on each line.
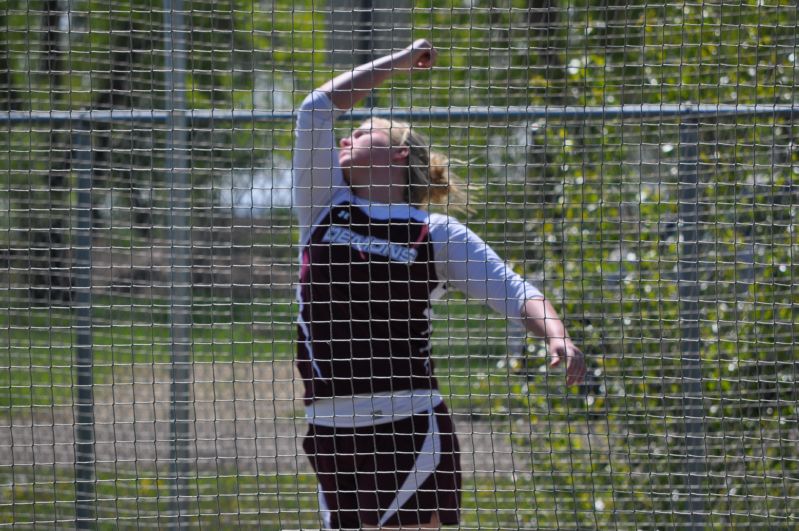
(430,179)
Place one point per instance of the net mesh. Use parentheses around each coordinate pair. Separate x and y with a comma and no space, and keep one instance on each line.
(155,255)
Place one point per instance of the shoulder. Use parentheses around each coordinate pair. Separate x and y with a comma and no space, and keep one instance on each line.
(319,105)
(317,100)
(444,229)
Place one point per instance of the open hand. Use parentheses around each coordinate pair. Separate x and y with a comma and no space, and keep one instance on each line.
(563,348)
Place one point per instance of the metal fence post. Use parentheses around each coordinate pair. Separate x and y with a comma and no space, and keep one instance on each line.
(85,494)
(690,354)
(177,166)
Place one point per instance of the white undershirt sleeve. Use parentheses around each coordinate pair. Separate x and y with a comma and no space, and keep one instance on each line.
(316,175)
(469,265)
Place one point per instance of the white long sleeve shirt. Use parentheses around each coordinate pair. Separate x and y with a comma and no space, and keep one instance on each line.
(368,274)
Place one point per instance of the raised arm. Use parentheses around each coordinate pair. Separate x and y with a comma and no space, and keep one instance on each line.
(315,173)
(347,89)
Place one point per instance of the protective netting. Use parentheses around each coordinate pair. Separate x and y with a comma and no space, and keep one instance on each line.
(637,161)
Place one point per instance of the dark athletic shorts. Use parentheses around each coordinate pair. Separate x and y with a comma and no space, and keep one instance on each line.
(394,474)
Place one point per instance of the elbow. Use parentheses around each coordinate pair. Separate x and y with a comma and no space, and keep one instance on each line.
(308,103)
(317,100)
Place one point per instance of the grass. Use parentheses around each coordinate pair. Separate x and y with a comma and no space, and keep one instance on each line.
(227,500)
(38,346)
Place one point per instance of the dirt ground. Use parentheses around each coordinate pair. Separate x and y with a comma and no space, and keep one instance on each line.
(241,416)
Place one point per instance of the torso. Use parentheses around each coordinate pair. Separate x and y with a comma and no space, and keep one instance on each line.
(365,288)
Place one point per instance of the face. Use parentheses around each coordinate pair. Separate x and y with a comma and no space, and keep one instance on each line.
(366,148)
(373,168)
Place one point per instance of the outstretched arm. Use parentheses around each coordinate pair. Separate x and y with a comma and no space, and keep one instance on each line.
(541,319)
(347,89)
(469,265)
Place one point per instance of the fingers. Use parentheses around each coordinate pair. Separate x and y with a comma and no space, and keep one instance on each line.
(575,362)
(421,44)
(423,54)
(427,59)
(424,61)
(575,368)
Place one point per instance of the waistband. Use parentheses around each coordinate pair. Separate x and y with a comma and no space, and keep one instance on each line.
(369,410)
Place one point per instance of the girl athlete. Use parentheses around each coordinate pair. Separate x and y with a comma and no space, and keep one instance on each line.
(380,438)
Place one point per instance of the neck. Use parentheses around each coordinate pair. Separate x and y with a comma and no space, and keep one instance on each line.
(377,187)
(382,194)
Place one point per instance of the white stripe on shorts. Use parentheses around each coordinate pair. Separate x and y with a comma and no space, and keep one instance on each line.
(324,509)
(426,463)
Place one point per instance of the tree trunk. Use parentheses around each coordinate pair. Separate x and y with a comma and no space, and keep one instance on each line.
(542,19)
(50,253)
(11,101)
(118,94)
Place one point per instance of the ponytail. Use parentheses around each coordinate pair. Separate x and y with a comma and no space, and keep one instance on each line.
(431,180)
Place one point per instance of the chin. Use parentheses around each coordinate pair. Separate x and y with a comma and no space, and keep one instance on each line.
(344,162)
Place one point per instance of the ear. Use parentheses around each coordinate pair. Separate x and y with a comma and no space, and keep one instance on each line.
(400,154)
